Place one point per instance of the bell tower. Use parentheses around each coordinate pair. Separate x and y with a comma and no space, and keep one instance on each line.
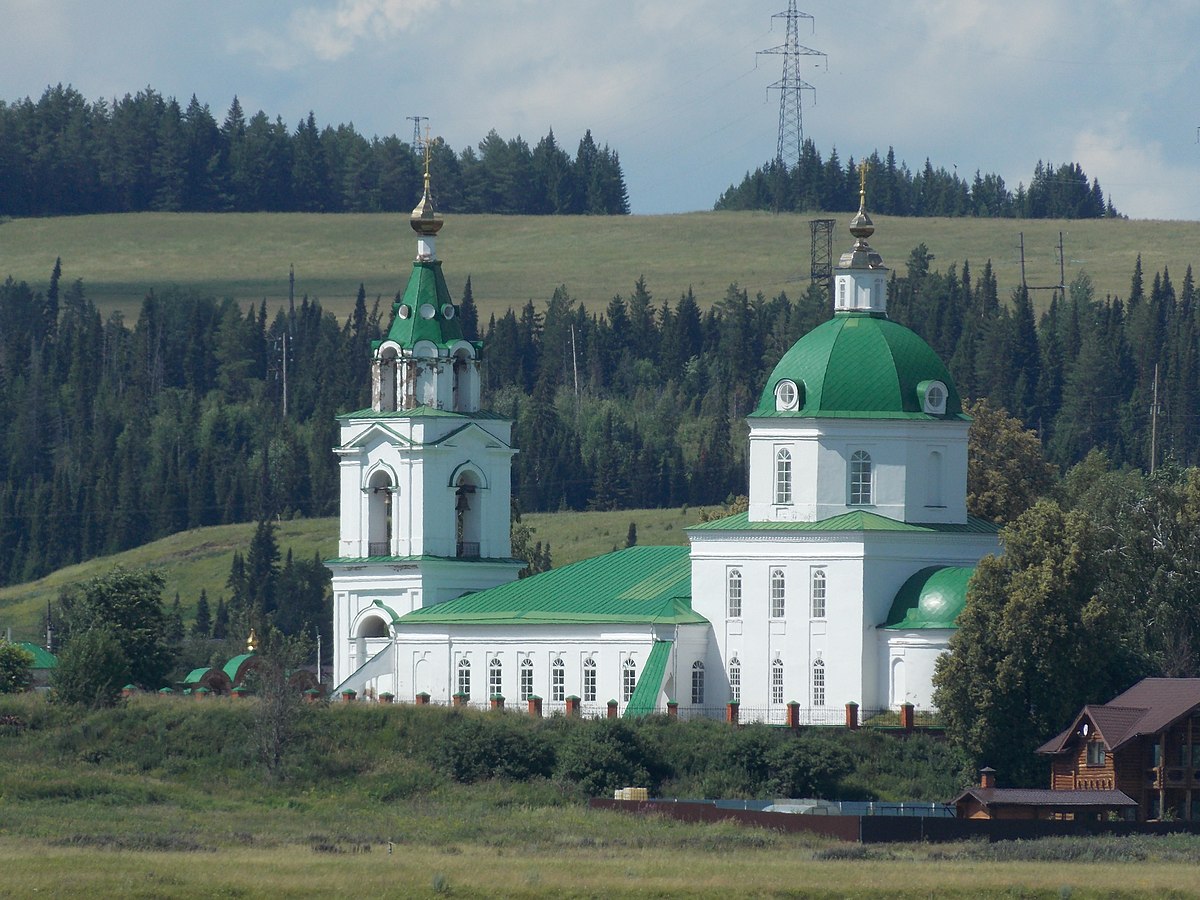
(425,472)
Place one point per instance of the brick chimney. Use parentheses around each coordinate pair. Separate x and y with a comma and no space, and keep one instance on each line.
(987,778)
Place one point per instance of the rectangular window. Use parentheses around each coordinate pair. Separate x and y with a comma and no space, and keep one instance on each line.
(589,681)
(818,684)
(818,593)
(558,681)
(783,476)
(495,679)
(628,679)
(777,681)
(735,681)
(778,593)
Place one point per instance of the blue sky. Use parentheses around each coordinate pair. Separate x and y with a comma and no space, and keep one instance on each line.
(674,86)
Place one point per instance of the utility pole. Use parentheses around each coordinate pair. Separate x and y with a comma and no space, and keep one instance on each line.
(791,85)
(1154,422)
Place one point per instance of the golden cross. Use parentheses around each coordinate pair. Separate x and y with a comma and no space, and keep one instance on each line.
(862,177)
(428,149)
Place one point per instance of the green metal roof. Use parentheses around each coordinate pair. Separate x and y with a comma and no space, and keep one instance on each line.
(639,585)
(644,699)
(858,520)
(42,658)
(421,313)
(860,365)
(931,598)
(231,667)
(194,676)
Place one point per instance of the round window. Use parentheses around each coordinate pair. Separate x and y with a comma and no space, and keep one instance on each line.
(786,395)
(935,398)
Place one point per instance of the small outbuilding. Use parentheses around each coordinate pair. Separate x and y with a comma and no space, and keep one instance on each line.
(990,802)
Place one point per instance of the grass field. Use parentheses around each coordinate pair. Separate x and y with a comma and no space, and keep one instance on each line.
(165,797)
(515,259)
(200,559)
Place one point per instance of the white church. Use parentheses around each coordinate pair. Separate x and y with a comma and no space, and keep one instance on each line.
(841,583)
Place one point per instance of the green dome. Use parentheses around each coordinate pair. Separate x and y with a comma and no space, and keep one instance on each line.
(932,598)
(861,366)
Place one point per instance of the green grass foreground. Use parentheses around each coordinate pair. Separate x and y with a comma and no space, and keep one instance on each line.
(199,559)
(513,259)
(166,798)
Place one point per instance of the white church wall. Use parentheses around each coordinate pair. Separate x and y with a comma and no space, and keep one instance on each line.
(910,658)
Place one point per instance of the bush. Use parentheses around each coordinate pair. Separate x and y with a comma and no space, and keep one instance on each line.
(599,757)
(15,663)
(476,747)
(91,670)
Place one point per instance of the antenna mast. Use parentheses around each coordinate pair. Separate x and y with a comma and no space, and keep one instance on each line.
(791,85)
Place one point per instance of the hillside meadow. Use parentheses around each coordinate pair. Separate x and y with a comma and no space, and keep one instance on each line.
(199,559)
(515,259)
(166,797)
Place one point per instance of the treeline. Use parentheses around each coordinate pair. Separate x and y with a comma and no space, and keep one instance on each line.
(1054,192)
(116,434)
(62,155)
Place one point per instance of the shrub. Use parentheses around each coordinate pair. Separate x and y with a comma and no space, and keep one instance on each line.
(91,670)
(15,663)
(476,747)
(599,757)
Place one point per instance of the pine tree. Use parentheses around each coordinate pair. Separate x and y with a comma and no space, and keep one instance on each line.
(202,627)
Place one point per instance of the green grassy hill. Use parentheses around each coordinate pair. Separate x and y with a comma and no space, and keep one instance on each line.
(200,559)
(515,259)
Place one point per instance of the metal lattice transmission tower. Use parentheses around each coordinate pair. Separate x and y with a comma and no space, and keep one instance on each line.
(821,269)
(417,138)
(791,85)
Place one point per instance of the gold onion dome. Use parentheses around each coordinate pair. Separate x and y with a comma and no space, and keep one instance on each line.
(861,256)
(424,220)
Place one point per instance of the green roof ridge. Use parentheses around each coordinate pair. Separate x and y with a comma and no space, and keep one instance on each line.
(644,699)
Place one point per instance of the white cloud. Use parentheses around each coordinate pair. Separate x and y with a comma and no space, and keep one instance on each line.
(1135,173)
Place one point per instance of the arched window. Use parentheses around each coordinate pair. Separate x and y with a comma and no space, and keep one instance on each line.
(558,681)
(735,680)
(783,476)
(818,682)
(697,683)
(778,594)
(464,678)
(495,677)
(818,593)
(589,680)
(526,678)
(466,516)
(628,679)
(379,514)
(733,593)
(777,680)
(860,478)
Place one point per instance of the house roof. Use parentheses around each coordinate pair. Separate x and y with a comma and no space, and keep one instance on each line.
(858,520)
(42,658)
(1043,797)
(860,365)
(639,585)
(422,412)
(1148,707)
(930,598)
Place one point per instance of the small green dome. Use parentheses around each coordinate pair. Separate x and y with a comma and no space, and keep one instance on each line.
(860,365)
(931,598)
